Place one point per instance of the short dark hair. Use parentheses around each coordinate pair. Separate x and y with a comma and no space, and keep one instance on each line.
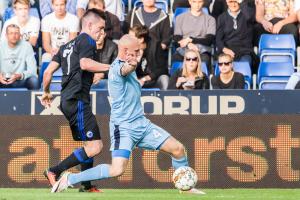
(12,26)
(93,12)
(140,31)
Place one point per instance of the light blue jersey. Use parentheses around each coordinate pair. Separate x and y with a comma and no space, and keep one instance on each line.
(128,125)
(125,95)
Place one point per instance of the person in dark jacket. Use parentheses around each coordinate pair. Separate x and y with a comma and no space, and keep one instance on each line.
(106,53)
(158,23)
(234,34)
(112,23)
(227,79)
(190,76)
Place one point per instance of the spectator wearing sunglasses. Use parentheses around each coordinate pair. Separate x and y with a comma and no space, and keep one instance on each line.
(190,76)
(235,34)
(227,79)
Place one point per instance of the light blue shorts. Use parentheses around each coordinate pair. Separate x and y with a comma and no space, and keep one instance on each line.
(139,133)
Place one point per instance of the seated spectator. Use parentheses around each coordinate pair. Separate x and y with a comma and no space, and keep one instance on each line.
(275,17)
(106,53)
(235,34)
(115,7)
(17,64)
(227,79)
(185,3)
(29,25)
(58,28)
(158,23)
(195,30)
(112,23)
(217,7)
(46,7)
(148,74)
(190,76)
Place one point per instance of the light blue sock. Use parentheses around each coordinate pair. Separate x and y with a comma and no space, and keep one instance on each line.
(96,173)
(176,163)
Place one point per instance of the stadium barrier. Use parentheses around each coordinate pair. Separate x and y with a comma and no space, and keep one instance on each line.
(240,151)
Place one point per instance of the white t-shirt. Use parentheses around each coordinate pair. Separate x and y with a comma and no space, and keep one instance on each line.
(297,5)
(60,29)
(82,4)
(115,7)
(31,29)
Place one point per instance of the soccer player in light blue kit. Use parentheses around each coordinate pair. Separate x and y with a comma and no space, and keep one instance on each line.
(129,128)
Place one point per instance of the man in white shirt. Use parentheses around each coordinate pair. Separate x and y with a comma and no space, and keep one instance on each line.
(29,25)
(17,63)
(58,28)
(112,6)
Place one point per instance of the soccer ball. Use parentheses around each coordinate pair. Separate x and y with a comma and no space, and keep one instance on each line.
(185,178)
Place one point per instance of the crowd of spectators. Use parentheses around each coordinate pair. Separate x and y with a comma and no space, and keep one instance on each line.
(226,32)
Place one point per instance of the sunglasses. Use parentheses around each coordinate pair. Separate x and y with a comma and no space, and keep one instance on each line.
(224,63)
(191,59)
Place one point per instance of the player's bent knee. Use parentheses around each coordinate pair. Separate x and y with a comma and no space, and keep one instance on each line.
(178,151)
(93,148)
(116,171)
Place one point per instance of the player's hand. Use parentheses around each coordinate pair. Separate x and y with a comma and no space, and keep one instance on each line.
(97,78)
(14,78)
(277,27)
(46,99)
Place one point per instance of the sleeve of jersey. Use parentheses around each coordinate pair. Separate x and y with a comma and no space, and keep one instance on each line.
(57,56)
(87,47)
(117,69)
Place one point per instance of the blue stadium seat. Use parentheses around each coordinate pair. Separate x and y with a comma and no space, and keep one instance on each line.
(243,68)
(177,65)
(162,4)
(9,12)
(277,48)
(125,3)
(42,70)
(56,78)
(274,76)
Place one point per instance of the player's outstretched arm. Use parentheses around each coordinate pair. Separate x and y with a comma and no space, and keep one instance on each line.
(47,97)
(90,65)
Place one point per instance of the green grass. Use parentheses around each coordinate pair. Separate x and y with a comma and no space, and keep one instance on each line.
(151,194)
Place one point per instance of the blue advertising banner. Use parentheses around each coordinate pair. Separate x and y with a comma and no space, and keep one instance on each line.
(206,102)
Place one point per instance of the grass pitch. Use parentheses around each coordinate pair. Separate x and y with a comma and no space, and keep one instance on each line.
(151,194)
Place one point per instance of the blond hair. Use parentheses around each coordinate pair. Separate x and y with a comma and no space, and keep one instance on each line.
(199,72)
